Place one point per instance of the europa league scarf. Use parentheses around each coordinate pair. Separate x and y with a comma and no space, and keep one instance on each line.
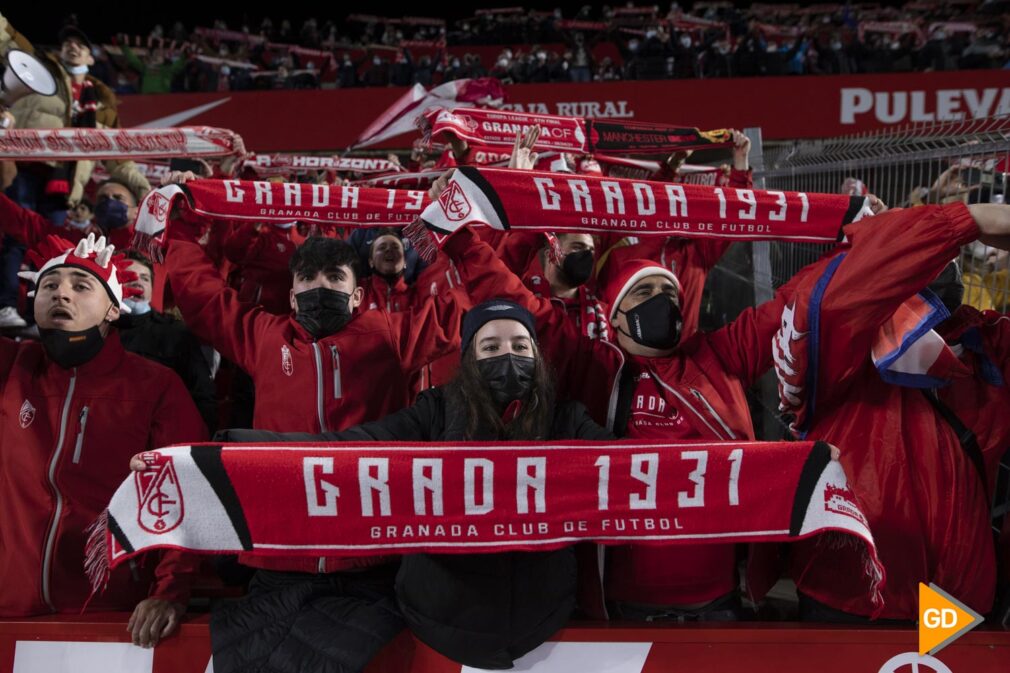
(568,134)
(71,144)
(453,498)
(536,201)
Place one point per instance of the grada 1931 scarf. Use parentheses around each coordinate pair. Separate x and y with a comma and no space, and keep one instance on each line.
(475,497)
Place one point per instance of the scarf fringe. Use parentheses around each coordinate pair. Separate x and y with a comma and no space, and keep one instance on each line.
(151,246)
(422,240)
(96,555)
(425,126)
(872,570)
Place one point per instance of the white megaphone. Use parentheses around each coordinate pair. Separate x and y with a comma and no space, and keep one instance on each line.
(24,75)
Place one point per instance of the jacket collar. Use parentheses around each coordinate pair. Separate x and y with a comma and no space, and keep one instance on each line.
(380,284)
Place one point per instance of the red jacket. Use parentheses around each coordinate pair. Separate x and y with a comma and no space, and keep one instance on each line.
(66,438)
(705,378)
(28,227)
(383,296)
(305,385)
(261,258)
(922,495)
(361,373)
(520,253)
(437,283)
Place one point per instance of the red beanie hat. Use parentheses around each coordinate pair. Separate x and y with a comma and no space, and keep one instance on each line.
(623,270)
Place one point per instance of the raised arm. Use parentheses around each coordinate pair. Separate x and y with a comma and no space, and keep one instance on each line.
(213,310)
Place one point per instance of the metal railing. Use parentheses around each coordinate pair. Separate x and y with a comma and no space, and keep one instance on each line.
(913,165)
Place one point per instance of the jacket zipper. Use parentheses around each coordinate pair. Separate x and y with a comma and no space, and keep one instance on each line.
(614,391)
(321,566)
(47,557)
(79,444)
(320,408)
(338,390)
(686,403)
(712,411)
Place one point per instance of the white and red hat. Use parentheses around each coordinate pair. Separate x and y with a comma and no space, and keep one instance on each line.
(623,270)
(91,255)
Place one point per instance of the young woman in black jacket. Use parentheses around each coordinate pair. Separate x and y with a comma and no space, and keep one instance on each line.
(482,610)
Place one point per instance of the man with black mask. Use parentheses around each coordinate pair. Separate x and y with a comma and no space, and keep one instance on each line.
(559,267)
(315,369)
(322,368)
(75,406)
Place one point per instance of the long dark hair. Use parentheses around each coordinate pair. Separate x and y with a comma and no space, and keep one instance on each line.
(483,418)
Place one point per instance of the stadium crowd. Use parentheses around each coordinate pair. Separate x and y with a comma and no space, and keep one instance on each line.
(709,39)
(292,331)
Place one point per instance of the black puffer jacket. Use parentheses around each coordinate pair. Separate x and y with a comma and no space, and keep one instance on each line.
(482,610)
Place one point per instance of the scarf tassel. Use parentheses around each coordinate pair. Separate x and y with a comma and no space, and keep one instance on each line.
(96,556)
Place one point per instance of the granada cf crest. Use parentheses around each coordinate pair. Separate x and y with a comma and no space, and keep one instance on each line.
(157,205)
(27,414)
(454,203)
(287,364)
(843,501)
(161,506)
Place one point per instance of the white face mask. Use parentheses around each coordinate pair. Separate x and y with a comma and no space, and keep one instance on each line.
(138,306)
(78,225)
(76,69)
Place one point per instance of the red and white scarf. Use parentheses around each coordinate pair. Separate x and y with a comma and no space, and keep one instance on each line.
(70,144)
(532,201)
(274,202)
(509,199)
(377,499)
(268,165)
(568,134)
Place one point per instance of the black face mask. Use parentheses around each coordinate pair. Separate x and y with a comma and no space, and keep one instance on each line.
(71,349)
(509,377)
(949,287)
(655,323)
(577,267)
(322,311)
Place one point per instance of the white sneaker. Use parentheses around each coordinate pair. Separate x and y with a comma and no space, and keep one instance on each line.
(9,318)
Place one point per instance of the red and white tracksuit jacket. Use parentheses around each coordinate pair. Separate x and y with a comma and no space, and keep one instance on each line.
(921,493)
(704,382)
(66,439)
(361,373)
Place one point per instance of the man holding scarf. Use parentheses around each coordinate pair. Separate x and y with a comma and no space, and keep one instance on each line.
(652,383)
(323,368)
